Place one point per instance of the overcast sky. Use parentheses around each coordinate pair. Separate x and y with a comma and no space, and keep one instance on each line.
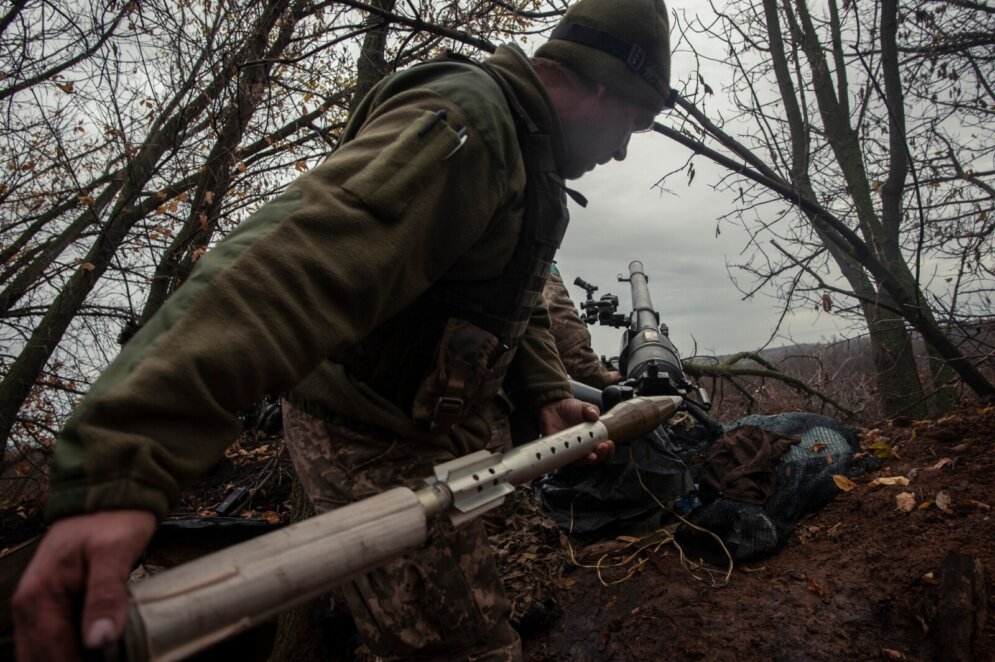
(674,235)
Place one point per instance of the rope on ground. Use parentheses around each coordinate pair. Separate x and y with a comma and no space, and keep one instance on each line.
(647,548)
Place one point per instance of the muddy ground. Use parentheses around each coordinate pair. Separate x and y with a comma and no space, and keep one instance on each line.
(860,580)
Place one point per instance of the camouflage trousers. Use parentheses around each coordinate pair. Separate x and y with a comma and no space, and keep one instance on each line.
(442,602)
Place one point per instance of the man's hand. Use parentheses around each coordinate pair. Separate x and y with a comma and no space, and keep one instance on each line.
(562,414)
(84,560)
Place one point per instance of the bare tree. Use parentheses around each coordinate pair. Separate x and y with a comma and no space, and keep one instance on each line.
(850,163)
(139,135)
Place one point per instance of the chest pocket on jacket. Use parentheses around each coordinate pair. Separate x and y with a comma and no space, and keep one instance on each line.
(388,183)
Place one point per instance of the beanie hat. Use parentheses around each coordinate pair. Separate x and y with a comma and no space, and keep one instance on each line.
(622,44)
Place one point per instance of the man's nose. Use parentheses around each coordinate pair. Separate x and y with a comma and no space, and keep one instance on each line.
(620,153)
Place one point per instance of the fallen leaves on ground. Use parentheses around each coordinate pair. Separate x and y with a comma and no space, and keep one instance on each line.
(817,588)
(844,483)
(890,480)
(906,502)
(942,463)
(528,553)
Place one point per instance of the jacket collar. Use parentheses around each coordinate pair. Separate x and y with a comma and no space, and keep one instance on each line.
(514,66)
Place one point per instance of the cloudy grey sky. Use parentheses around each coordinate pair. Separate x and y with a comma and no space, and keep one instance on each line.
(674,235)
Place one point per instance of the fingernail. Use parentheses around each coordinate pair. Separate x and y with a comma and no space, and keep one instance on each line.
(101,633)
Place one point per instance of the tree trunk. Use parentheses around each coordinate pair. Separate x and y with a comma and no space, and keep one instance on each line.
(894,361)
(895,365)
(199,228)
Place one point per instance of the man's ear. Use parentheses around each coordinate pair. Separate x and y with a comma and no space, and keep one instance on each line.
(591,100)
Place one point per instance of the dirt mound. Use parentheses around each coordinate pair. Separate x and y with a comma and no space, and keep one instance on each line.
(860,580)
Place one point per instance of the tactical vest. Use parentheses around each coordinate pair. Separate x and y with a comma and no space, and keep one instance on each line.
(450,350)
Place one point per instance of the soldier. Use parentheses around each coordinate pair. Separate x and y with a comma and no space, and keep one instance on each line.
(389,293)
(573,340)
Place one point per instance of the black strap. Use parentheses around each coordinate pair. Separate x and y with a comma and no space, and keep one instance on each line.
(633,55)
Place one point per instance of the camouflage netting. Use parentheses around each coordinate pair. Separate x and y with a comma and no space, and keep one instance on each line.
(804,479)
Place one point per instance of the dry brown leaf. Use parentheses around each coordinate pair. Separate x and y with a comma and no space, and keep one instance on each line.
(818,448)
(943,500)
(929,578)
(890,480)
(942,463)
(881,449)
(844,483)
(87,266)
(906,502)
(979,504)
(925,504)
(819,590)
(891,654)
(271,517)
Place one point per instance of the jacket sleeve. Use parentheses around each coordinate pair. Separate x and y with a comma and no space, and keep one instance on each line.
(537,376)
(344,249)
(573,340)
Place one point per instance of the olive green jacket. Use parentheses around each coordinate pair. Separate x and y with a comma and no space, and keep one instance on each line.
(403,203)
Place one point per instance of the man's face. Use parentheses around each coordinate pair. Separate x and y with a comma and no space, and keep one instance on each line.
(600,131)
